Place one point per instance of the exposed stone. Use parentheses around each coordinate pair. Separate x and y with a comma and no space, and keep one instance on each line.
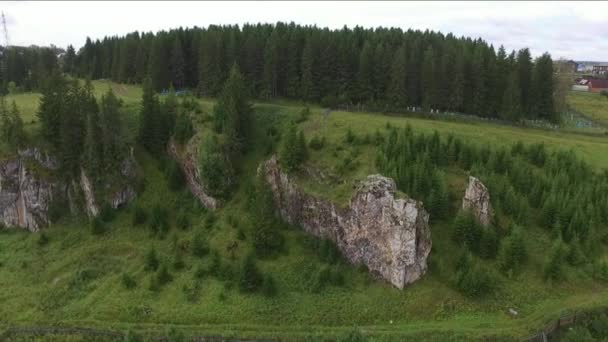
(89,195)
(24,196)
(187,163)
(27,190)
(390,236)
(477,200)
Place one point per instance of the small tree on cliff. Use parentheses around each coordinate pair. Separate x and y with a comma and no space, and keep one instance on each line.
(293,150)
(266,236)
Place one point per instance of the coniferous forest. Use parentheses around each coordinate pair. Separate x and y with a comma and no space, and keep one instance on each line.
(387,69)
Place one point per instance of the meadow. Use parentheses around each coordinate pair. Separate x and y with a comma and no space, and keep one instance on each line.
(76,278)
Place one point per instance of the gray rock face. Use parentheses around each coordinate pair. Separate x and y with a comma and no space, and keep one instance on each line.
(477,200)
(390,236)
(188,164)
(24,196)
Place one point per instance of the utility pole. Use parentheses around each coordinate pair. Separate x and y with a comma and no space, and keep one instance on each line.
(3,66)
(5,31)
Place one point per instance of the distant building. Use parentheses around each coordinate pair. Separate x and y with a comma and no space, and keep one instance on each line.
(597,85)
(600,69)
(566,67)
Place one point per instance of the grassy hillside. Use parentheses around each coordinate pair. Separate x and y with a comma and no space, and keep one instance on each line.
(77,279)
(592,105)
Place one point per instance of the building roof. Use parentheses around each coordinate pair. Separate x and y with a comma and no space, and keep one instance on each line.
(597,83)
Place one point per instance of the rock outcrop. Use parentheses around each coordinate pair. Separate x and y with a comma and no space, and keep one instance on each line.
(477,200)
(29,183)
(187,162)
(25,195)
(390,236)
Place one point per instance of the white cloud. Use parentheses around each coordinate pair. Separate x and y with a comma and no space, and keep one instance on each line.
(569,29)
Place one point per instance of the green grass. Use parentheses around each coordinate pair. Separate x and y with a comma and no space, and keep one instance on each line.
(39,288)
(592,105)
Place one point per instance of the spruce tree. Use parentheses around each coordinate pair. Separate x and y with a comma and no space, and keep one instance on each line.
(397,90)
(177,65)
(150,135)
(232,113)
(511,107)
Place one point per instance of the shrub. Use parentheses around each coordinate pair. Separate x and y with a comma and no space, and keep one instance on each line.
(163,276)
(250,278)
(178,261)
(329,101)
(578,334)
(599,326)
(97,226)
(553,264)
(513,253)
(488,246)
(269,288)
(328,251)
(175,176)
(473,279)
(316,143)
(151,260)
(183,220)
(107,213)
(191,291)
(43,240)
(304,114)
(159,221)
(200,247)
(128,282)
(140,216)
(350,137)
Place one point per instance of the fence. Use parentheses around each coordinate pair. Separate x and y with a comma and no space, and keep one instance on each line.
(552,327)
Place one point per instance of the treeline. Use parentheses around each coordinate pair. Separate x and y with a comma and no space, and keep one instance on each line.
(385,68)
(26,68)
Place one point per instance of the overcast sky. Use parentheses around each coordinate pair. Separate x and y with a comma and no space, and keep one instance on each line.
(576,30)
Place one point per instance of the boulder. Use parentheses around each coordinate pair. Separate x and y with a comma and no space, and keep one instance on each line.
(477,200)
(390,236)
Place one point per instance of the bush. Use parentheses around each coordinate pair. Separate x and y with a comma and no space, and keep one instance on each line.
(178,261)
(140,216)
(107,213)
(513,253)
(183,220)
(329,101)
(151,260)
(250,278)
(128,282)
(329,252)
(350,137)
(578,334)
(163,276)
(200,247)
(553,269)
(304,114)
(175,176)
(159,222)
(317,143)
(43,240)
(97,226)
(473,279)
(269,288)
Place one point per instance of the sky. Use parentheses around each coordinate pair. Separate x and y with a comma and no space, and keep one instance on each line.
(572,30)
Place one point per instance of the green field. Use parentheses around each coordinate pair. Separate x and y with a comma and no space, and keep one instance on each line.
(592,105)
(75,279)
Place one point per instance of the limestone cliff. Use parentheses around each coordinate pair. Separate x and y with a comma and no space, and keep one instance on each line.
(25,195)
(187,162)
(477,200)
(30,183)
(390,236)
